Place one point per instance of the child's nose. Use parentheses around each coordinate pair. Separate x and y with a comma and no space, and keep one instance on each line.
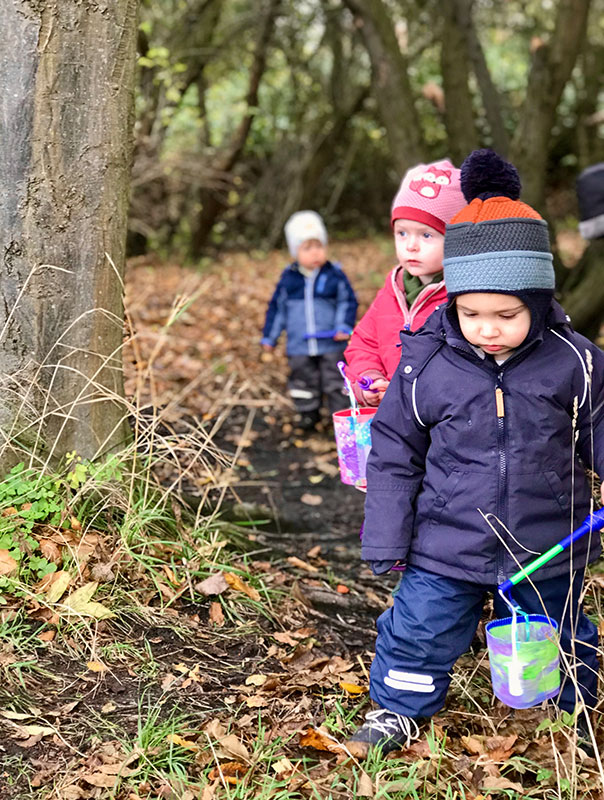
(412,243)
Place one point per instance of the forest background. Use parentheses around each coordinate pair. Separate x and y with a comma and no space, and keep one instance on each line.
(249,111)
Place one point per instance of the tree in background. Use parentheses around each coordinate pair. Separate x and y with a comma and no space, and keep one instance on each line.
(67,78)
(256,109)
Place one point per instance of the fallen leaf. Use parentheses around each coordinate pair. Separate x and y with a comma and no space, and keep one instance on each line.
(364,786)
(297,562)
(179,740)
(108,708)
(490,782)
(47,636)
(285,638)
(75,523)
(96,666)
(320,740)
(215,584)
(283,767)
(57,585)
(232,772)
(255,680)
(352,688)
(473,745)
(80,602)
(216,614)
(7,563)
(256,701)
(311,499)
(316,478)
(50,550)
(314,551)
(233,747)
(235,582)
(341,589)
(22,731)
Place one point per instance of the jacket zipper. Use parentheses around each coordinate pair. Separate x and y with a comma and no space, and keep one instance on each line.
(503,467)
(309,313)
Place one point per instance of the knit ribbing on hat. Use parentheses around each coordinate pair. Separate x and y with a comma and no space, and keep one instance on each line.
(466,238)
(505,271)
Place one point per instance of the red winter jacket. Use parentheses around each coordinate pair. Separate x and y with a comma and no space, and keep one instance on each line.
(374,347)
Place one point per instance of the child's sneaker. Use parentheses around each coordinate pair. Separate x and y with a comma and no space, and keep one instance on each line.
(385,729)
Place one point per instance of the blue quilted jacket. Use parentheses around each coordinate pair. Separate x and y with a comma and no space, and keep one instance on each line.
(463,447)
(303,306)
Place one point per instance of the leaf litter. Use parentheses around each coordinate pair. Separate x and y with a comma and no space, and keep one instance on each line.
(292,683)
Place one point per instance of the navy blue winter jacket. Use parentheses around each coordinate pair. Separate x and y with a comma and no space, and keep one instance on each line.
(443,448)
(303,306)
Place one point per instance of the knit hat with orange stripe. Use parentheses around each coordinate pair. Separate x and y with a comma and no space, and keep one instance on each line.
(496,243)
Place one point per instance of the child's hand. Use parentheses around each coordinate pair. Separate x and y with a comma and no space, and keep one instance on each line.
(373,395)
(340,336)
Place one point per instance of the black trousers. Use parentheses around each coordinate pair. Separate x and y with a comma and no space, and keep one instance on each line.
(311,377)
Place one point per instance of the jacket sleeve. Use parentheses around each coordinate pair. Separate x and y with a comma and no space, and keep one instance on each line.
(362,354)
(346,306)
(275,320)
(395,471)
(590,416)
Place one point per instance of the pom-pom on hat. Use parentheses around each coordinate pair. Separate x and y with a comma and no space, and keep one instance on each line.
(302,226)
(429,193)
(496,243)
(590,192)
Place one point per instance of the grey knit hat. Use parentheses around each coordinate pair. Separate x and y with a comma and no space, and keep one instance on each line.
(302,226)
(496,243)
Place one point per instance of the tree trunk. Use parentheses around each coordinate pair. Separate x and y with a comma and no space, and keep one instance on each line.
(67,80)
(454,59)
(584,302)
(391,82)
(213,203)
(552,65)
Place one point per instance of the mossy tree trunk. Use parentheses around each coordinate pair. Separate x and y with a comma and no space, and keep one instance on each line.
(66,101)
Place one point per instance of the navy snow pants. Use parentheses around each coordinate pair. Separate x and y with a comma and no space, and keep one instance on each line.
(433,621)
(311,377)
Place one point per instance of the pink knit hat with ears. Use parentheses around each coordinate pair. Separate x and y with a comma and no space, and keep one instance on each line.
(429,193)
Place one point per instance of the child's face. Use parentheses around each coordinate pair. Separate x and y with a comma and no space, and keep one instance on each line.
(497,323)
(312,254)
(420,248)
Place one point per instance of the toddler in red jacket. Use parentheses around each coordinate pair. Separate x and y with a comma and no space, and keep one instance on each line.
(428,197)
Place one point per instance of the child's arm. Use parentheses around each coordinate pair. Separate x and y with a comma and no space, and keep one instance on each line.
(395,470)
(346,308)
(590,421)
(363,356)
(276,317)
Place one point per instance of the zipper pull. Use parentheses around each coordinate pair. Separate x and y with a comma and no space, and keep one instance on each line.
(499,402)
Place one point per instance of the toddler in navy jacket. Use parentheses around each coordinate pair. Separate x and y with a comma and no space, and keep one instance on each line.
(316,306)
(497,407)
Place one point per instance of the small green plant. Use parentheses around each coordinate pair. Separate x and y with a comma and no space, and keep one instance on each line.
(27,498)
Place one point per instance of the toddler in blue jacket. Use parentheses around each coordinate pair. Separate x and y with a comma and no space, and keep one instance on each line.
(497,407)
(316,306)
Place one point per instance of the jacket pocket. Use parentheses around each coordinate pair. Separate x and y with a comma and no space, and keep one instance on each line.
(558,490)
(443,498)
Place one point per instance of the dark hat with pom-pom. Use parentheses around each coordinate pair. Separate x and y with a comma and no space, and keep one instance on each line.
(496,243)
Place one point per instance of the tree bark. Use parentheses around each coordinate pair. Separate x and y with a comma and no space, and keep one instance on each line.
(454,59)
(552,65)
(213,203)
(392,88)
(66,91)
